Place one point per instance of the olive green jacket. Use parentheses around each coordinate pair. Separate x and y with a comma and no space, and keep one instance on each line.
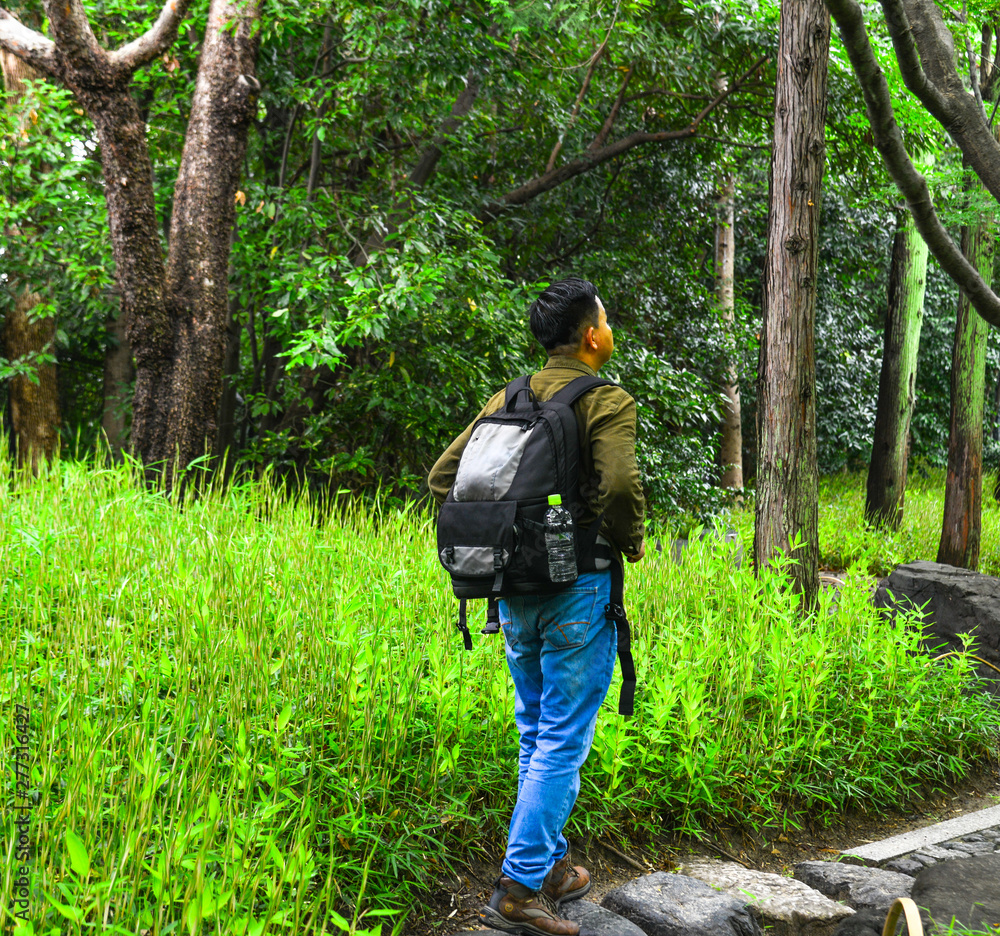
(609,475)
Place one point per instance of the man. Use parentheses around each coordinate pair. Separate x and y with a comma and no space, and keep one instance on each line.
(561,647)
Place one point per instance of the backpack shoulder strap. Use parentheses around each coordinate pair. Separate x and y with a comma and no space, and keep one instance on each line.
(577,387)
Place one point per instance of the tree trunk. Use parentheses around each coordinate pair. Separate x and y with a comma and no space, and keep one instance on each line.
(897,382)
(787,486)
(963,497)
(119,372)
(225,100)
(175,316)
(731,446)
(34,401)
(227,402)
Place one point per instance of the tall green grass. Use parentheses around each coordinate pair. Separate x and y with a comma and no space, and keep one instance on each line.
(249,718)
(845,540)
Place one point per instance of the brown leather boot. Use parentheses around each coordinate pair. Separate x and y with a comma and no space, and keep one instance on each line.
(566,882)
(514,908)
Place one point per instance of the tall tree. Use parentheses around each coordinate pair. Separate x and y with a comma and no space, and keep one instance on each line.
(787,483)
(175,313)
(29,339)
(731,444)
(897,380)
(961,526)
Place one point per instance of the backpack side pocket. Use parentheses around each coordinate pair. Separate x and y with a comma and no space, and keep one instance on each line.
(476,543)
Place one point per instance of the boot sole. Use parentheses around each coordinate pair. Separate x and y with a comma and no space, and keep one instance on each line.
(491,918)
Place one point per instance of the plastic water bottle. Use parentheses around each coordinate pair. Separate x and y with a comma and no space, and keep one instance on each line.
(559,543)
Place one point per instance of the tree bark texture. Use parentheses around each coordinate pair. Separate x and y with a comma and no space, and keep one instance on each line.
(119,372)
(787,485)
(963,496)
(174,314)
(731,446)
(897,380)
(197,281)
(34,403)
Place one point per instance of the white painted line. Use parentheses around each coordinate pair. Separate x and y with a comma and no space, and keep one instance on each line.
(878,852)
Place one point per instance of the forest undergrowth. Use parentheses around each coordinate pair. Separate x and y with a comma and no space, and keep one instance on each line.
(845,540)
(249,718)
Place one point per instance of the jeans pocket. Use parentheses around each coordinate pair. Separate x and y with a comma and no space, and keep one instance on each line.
(568,623)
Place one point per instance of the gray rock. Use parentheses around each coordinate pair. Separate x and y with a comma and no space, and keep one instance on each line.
(782,905)
(675,905)
(862,888)
(908,866)
(863,923)
(992,835)
(965,889)
(938,852)
(974,837)
(970,848)
(596,921)
(925,860)
(953,601)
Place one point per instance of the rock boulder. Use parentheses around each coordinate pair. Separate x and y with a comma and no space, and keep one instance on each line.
(954,601)
(664,904)
(782,905)
(965,888)
(862,888)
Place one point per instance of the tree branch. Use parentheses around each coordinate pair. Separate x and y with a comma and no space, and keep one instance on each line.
(155,41)
(598,141)
(28,45)
(422,171)
(576,105)
(75,40)
(889,143)
(917,26)
(593,158)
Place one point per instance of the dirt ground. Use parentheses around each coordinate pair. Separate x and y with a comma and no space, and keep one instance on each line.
(455,903)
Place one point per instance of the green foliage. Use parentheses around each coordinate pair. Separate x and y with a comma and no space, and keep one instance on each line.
(252,715)
(846,542)
(50,198)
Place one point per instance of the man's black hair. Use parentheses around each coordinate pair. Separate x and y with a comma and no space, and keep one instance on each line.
(563,312)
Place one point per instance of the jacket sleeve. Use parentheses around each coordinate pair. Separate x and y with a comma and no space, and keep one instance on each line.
(442,475)
(612,440)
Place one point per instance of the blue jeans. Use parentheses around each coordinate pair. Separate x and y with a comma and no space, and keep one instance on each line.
(561,654)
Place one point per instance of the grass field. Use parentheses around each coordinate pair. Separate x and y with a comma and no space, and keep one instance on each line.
(246,718)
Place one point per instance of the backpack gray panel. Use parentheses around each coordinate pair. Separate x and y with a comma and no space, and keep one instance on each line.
(601,564)
(490,461)
(472,560)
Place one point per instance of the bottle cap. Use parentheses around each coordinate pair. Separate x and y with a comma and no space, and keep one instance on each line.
(555,500)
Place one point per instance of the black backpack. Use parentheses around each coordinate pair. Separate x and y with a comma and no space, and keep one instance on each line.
(491,528)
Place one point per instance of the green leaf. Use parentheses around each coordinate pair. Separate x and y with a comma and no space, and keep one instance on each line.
(78,856)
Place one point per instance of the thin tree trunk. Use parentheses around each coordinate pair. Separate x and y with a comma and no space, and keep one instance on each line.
(897,381)
(787,484)
(119,372)
(996,437)
(731,446)
(34,401)
(961,526)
